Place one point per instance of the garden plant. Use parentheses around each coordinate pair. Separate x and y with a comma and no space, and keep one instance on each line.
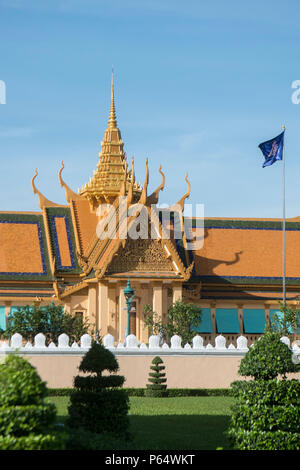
(27,422)
(266,415)
(51,320)
(157,386)
(98,405)
(182,319)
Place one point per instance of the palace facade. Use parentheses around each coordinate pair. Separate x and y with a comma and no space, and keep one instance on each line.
(81,255)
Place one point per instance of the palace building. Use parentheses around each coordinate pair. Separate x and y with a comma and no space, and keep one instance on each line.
(81,255)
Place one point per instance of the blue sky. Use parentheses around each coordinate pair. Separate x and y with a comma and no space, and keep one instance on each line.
(198,85)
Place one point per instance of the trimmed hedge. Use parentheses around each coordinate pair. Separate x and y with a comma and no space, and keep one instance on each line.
(99,412)
(268,358)
(270,392)
(32,442)
(97,383)
(27,422)
(98,404)
(20,420)
(171,392)
(266,413)
(264,440)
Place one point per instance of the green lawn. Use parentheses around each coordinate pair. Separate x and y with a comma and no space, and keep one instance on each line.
(181,423)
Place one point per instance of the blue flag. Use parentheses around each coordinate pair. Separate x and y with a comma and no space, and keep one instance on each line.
(272,149)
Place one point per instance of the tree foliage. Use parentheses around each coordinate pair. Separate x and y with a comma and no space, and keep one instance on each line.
(26,420)
(51,320)
(285,322)
(98,405)
(268,358)
(182,319)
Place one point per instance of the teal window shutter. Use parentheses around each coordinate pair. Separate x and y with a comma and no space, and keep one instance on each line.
(298,322)
(11,311)
(227,320)
(279,314)
(254,320)
(2,318)
(205,326)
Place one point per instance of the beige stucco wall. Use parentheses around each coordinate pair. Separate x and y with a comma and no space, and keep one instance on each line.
(181,372)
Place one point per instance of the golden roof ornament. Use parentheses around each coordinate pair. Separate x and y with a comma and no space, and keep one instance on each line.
(108,179)
(112,121)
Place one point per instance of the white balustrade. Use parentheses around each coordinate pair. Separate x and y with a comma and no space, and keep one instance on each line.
(16,341)
(40,341)
(175,342)
(108,341)
(198,342)
(63,341)
(242,342)
(285,340)
(132,345)
(220,342)
(131,341)
(86,341)
(154,342)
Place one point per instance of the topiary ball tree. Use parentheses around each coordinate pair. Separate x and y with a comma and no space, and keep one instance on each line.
(26,421)
(268,358)
(98,404)
(266,413)
(157,386)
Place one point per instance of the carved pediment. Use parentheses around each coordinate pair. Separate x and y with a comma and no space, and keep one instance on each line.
(140,255)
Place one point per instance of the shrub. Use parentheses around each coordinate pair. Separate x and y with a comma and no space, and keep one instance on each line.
(268,358)
(51,320)
(183,319)
(26,421)
(31,442)
(266,415)
(97,405)
(172,392)
(157,386)
(264,440)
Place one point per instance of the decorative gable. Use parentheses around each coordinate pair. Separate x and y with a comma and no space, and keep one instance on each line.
(141,256)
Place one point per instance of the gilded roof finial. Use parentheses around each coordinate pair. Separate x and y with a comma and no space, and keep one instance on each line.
(43,201)
(112,121)
(70,195)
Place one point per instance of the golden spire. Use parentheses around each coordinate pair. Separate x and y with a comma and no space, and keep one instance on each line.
(112,121)
(111,177)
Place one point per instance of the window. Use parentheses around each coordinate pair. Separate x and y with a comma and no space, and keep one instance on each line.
(227,320)
(279,315)
(205,326)
(11,311)
(79,315)
(254,320)
(2,318)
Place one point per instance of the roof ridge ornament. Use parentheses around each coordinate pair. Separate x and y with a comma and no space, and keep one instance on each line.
(130,190)
(69,193)
(43,201)
(153,198)
(143,197)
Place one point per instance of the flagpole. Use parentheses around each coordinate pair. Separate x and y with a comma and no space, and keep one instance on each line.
(283,227)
